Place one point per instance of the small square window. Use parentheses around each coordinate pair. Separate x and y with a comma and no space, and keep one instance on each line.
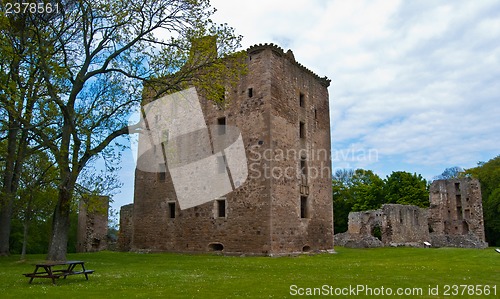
(161,172)
(221,122)
(250,92)
(171,210)
(221,164)
(221,208)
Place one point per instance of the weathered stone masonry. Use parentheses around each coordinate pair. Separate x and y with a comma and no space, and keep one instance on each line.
(285,206)
(456,213)
(454,218)
(92,231)
(126,227)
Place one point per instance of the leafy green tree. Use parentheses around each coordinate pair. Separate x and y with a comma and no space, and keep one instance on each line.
(342,198)
(355,190)
(405,188)
(368,190)
(21,86)
(488,174)
(37,193)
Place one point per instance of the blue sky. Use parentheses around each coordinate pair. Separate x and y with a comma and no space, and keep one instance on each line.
(415,84)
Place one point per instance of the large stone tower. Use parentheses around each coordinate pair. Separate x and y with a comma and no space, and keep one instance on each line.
(285,204)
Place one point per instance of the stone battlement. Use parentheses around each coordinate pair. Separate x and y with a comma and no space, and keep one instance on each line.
(288,55)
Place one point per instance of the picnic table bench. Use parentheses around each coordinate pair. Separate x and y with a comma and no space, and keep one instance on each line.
(48,271)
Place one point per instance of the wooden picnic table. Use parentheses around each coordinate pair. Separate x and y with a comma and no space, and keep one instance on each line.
(48,271)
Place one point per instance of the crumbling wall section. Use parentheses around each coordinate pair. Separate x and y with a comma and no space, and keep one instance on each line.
(364,230)
(454,219)
(404,225)
(92,229)
(456,213)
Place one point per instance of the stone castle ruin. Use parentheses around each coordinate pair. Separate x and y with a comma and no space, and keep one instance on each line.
(456,213)
(454,219)
(285,204)
(92,231)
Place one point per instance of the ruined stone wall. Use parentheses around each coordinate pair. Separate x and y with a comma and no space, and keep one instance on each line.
(456,213)
(263,215)
(392,225)
(125,234)
(364,223)
(364,230)
(404,225)
(92,224)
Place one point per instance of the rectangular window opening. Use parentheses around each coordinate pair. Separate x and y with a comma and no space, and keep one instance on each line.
(164,136)
(303,207)
(302,100)
(221,208)
(221,164)
(171,210)
(250,92)
(161,172)
(459,213)
(303,166)
(221,125)
(302,130)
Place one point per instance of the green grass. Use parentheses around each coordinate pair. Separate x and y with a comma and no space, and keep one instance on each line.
(134,275)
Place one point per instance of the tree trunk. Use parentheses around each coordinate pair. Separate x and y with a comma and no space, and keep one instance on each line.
(60,227)
(25,240)
(5,217)
(27,220)
(8,191)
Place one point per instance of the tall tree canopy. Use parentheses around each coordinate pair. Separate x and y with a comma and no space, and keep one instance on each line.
(93,59)
(402,187)
(355,190)
(21,84)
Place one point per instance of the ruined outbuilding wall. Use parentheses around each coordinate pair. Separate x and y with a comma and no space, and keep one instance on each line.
(392,225)
(126,228)
(456,213)
(454,219)
(365,222)
(404,225)
(92,229)
(362,230)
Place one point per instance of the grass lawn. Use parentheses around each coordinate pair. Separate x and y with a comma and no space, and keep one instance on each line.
(166,275)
